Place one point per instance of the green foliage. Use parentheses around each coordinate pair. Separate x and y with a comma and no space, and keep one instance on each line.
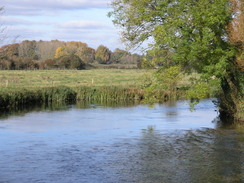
(163,85)
(108,93)
(189,33)
(198,92)
(120,56)
(102,55)
(157,57)
(70,62)
(10,98)
(13,97)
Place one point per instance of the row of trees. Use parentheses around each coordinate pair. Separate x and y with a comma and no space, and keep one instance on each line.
(50,54)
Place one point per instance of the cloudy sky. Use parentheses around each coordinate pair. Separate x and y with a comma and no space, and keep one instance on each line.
(66,20)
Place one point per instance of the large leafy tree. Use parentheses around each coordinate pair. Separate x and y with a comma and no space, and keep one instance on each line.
(79,49)
(193,32)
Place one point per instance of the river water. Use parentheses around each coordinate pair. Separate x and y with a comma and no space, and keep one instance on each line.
(94,143)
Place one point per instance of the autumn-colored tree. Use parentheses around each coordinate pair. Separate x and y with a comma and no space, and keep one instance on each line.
(236,30)
(80,49)
(9,51)
(60,51)
(5,64)
(47,49)
(49,64)
(86,54)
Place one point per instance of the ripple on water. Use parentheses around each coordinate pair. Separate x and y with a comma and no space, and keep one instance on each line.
(108,145)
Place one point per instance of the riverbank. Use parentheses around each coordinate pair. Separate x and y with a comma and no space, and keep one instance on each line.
(28,87)
(15,97)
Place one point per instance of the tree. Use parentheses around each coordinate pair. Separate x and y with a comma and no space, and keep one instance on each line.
(49,64)
(76,48)
(60,51)
(47,49)
(85,53)
(9,51)
(193,32)
(70,62)
(117,55)
(102,55)
(28,49)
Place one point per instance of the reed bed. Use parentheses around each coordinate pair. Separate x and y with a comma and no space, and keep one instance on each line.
(108,94)
(14,97)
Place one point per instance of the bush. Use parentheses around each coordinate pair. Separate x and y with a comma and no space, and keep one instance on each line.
(70,62)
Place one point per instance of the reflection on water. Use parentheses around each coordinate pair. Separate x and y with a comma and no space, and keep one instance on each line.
(61,106)
(133,143)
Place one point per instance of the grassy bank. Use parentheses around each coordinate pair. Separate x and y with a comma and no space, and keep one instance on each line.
(27,87)
(23,87)
(10,97)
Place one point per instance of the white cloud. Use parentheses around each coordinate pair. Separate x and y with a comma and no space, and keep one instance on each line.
(66,20)
(35,7)
(82,24)
(93,38)
(6,20)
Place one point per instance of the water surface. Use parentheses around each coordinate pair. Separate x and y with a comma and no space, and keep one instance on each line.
(101,144)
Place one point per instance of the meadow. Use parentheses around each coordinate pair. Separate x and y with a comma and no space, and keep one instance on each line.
(72,78)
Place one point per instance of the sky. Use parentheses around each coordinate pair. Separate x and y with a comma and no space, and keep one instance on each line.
(65,20)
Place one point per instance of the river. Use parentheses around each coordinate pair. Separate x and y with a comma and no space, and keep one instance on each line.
(96,143)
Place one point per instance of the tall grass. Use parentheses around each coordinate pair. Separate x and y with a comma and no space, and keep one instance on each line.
(108,94)
(14,97)
(18,97)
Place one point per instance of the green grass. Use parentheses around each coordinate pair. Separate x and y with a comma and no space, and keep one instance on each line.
(71,78)
(24,87)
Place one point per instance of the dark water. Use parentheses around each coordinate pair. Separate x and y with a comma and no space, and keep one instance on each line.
(101,144)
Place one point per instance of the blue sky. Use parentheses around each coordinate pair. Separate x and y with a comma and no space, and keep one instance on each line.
(65,20)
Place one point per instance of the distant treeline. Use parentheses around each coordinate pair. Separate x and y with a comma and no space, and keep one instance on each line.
(61,55)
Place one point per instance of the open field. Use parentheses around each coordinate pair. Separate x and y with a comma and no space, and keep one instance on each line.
(71,78)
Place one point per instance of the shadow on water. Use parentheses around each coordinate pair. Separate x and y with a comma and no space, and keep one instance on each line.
(62,106)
